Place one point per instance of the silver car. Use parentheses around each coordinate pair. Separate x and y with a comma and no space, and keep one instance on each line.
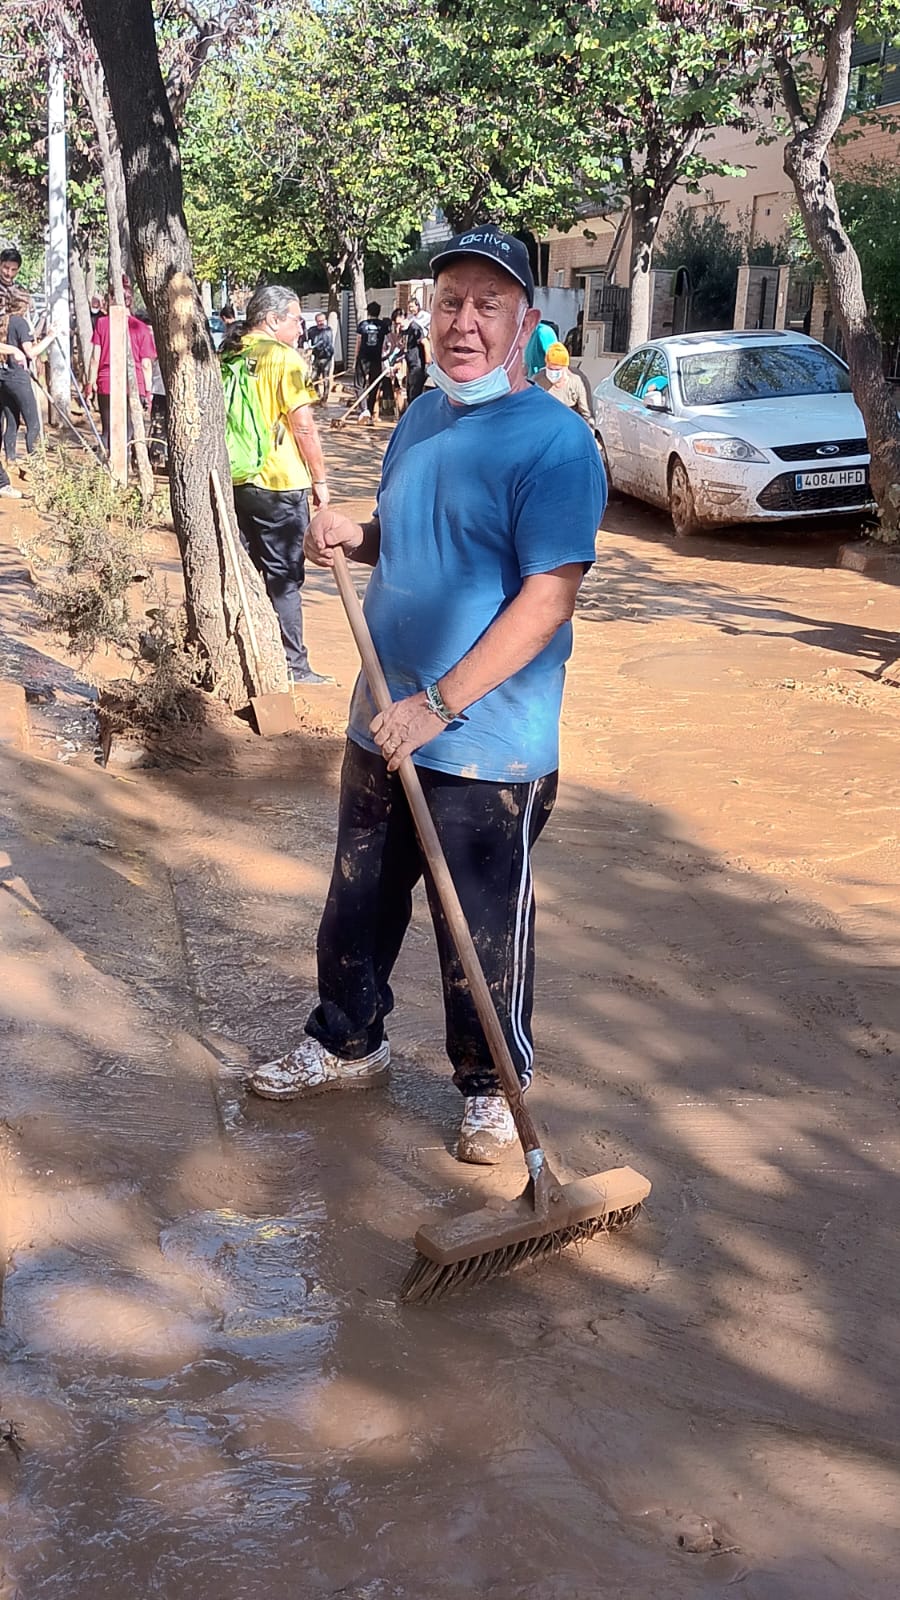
(734,427)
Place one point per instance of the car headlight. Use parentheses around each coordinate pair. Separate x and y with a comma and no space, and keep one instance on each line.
(723,449)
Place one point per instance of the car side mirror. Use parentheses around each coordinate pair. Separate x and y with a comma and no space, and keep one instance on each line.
(656,400)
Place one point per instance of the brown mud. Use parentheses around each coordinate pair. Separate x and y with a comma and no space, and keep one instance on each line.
(215,1390)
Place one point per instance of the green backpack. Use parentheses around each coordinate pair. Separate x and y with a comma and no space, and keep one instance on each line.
(248,436)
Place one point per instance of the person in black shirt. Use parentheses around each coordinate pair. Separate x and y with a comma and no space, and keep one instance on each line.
(418,353)
(321,347)
(370,337)
(321,341)
(16,391)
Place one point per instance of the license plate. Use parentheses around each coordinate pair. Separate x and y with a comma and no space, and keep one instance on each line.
(835,478)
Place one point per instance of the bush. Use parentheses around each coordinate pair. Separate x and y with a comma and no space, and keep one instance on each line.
(415,265)
(870,211)
(97,538)
(712,251)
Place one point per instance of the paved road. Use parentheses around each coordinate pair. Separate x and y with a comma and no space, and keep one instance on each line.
(216,1391)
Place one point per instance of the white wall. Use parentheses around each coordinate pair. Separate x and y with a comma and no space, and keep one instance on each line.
(596,367)
(560,306)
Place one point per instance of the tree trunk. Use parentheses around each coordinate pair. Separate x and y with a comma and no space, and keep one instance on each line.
(356,260)
(645,214)
(81,306)
(806,164)
(334,271)
(117,174)
(117,297)
(124,35)
(113,179)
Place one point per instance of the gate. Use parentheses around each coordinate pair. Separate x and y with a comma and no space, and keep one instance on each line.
(610,305)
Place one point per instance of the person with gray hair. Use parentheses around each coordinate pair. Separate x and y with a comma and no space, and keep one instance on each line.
(273,507)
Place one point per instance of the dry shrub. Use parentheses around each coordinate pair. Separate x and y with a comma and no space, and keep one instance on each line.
(97,543)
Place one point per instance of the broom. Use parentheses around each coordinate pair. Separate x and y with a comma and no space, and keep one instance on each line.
(548,1215)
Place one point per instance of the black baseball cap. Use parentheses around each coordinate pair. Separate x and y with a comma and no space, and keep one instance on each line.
(489,242)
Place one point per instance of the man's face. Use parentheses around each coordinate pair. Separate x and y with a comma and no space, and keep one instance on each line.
(286,327)
(9,271)
(477,321)
(320,320)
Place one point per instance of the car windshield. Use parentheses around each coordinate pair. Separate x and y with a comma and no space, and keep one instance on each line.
(760,372)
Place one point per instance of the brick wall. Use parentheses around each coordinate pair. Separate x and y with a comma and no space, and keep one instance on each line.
(880,145)
(573,254)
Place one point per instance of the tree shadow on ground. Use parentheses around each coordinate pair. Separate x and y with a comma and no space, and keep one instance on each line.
(202,1323)
(625,587)
(806,543)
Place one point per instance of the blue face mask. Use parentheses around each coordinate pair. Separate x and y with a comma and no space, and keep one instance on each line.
(477,391)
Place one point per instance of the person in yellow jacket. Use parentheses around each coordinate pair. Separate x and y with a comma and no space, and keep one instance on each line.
(565,385)
(273,507)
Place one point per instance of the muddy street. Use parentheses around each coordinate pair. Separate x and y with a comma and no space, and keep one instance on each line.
(214,1390)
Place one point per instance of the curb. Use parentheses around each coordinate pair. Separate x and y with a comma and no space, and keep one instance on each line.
(874,559)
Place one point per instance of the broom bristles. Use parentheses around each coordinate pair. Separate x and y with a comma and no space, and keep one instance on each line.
(427,1281)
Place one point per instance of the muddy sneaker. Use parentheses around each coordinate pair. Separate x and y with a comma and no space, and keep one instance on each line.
(487,1130)
(311,1069)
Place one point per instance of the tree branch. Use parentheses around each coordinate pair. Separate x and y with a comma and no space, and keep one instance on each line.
(790,93)
(836,75)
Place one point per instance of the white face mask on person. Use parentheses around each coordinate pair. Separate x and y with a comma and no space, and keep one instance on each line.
(555,374)
(477,391)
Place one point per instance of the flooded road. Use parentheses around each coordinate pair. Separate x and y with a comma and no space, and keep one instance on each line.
(216,1391)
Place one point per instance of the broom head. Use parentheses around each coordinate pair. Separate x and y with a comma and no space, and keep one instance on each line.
(493,1241)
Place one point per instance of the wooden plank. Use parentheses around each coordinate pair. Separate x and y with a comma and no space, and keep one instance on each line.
(118,392)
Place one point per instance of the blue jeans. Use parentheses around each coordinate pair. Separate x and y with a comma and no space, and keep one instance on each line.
(272,524)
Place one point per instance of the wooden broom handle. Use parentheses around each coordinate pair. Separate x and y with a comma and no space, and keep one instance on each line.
(440,872)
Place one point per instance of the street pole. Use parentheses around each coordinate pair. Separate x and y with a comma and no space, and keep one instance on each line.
(58,233)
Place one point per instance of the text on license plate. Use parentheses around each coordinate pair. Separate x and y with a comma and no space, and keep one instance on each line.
(835,478)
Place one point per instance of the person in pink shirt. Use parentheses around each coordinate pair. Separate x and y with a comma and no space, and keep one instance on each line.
(143,348)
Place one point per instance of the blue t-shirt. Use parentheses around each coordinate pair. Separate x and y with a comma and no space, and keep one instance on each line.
(473,499)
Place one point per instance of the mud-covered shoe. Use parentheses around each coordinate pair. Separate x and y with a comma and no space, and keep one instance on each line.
(311,1069)
(487,1130)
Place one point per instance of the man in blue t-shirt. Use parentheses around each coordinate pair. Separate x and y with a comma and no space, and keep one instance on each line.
(490,498)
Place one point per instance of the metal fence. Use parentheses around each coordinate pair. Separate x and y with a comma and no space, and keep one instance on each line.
(610,305)
(799,304)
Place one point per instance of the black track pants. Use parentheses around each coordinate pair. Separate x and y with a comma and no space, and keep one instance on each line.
(273,523)
(487,831)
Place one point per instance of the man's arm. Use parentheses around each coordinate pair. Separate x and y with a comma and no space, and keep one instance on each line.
(544,602)
(306,438)
(147,369)
(581,403)
(94,368)
(34,348)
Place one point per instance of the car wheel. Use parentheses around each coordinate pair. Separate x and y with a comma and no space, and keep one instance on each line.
(681,502)
(612,492)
